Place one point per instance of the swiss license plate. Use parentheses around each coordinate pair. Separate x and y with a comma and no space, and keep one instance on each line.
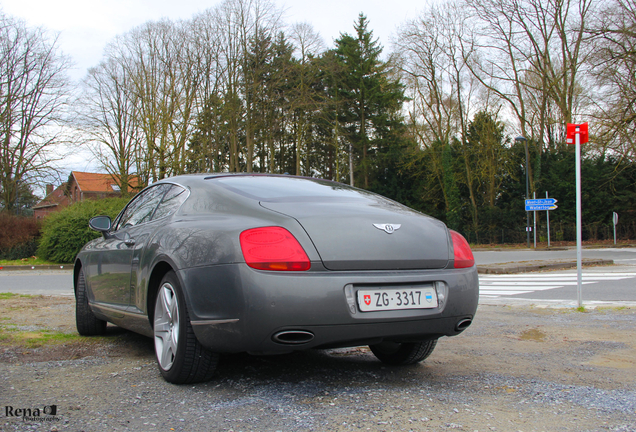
(397,299)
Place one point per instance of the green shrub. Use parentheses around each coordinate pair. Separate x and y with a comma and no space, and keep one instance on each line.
(18,236)
(64,233)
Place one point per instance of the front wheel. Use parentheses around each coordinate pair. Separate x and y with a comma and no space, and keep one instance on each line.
(405,353)
(180,356)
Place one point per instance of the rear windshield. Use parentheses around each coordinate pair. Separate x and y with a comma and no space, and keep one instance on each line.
(285,189)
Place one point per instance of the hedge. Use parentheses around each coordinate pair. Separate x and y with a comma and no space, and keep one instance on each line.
(18,236)
(66,232)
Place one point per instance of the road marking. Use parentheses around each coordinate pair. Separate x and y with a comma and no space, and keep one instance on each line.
(493,286)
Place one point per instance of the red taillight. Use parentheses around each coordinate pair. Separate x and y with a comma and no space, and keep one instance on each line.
(463,255)
(273,248)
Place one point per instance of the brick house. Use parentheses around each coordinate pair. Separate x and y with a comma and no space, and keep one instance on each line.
(80,186)
(54,201)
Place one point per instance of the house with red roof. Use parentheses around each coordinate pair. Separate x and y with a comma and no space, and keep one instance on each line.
(82,186)
(54,201)
(79,187)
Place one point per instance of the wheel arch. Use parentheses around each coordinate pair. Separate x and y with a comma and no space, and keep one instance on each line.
(158,272)
(77,266)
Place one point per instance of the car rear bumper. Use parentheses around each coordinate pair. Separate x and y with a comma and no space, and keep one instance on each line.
(234,308)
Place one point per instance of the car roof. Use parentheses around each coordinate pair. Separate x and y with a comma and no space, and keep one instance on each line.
(199,178)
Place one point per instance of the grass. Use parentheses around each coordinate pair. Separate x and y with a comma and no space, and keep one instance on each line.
(26,261)
(9,335)
(8,295)
(35,339)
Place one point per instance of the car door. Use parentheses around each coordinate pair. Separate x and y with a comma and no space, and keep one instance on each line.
(110,268)
(144,250)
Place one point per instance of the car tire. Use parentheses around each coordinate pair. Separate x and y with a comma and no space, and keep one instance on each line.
(85,320)
(406,353)
(180,356)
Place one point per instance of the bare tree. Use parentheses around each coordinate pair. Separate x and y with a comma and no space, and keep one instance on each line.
(530,53)
(237,23)
(108,113)
(34,91)
(441,87)
(614,68)
(207,147)
(307,43)
(164,75)
(254,20)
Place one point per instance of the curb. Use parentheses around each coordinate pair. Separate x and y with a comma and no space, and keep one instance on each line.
(37,267)
(534,266)
(552,248)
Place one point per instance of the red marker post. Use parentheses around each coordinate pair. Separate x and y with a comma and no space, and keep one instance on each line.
(577,134)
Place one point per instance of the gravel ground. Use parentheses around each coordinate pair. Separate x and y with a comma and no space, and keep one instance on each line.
(515,369)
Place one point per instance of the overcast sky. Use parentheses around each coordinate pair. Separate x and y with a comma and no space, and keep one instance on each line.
(86,26)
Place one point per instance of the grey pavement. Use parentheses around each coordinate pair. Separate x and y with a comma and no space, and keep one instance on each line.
(37,282)
(619,255)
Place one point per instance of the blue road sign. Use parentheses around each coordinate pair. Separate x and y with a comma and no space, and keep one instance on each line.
(541,202)
(540,207)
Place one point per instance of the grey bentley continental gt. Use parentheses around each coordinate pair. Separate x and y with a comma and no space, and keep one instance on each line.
(208,264)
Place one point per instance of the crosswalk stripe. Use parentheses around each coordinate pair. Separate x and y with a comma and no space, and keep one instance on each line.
(565,277)
(498,293)
(492,286)
(498,283)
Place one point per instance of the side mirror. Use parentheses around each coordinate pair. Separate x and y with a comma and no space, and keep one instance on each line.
(100,223)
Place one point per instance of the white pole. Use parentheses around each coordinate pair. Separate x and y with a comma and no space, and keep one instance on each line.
(547,215)
(577,167)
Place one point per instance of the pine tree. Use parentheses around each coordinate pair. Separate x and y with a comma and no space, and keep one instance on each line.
(371,98)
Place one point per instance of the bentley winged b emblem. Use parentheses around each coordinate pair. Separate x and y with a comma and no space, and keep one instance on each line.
(388,228)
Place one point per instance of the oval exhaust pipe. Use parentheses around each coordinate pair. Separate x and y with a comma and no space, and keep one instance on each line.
(463,324)
(293,337)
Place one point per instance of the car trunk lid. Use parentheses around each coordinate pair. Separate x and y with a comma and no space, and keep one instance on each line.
(369,234)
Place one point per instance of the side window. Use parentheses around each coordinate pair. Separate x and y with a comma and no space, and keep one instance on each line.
(171,202)
(141,209)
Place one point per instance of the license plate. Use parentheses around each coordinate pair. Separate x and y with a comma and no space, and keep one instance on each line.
(397,299)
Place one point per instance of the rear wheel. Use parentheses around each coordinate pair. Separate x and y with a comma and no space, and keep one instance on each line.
(180,356)
(396,353)
(85,320)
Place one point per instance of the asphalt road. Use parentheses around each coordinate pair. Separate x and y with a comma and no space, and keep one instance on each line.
(621,256)
(41,282)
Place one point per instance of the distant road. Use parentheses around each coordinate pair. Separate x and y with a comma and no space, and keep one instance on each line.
(621,256)
(44,282)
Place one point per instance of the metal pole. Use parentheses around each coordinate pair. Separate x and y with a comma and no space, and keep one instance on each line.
(350,164)
(547,215)
(525,142)
(577,167)
(534,221)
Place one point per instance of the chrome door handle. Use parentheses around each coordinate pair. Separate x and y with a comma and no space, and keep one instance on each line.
(129,242)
